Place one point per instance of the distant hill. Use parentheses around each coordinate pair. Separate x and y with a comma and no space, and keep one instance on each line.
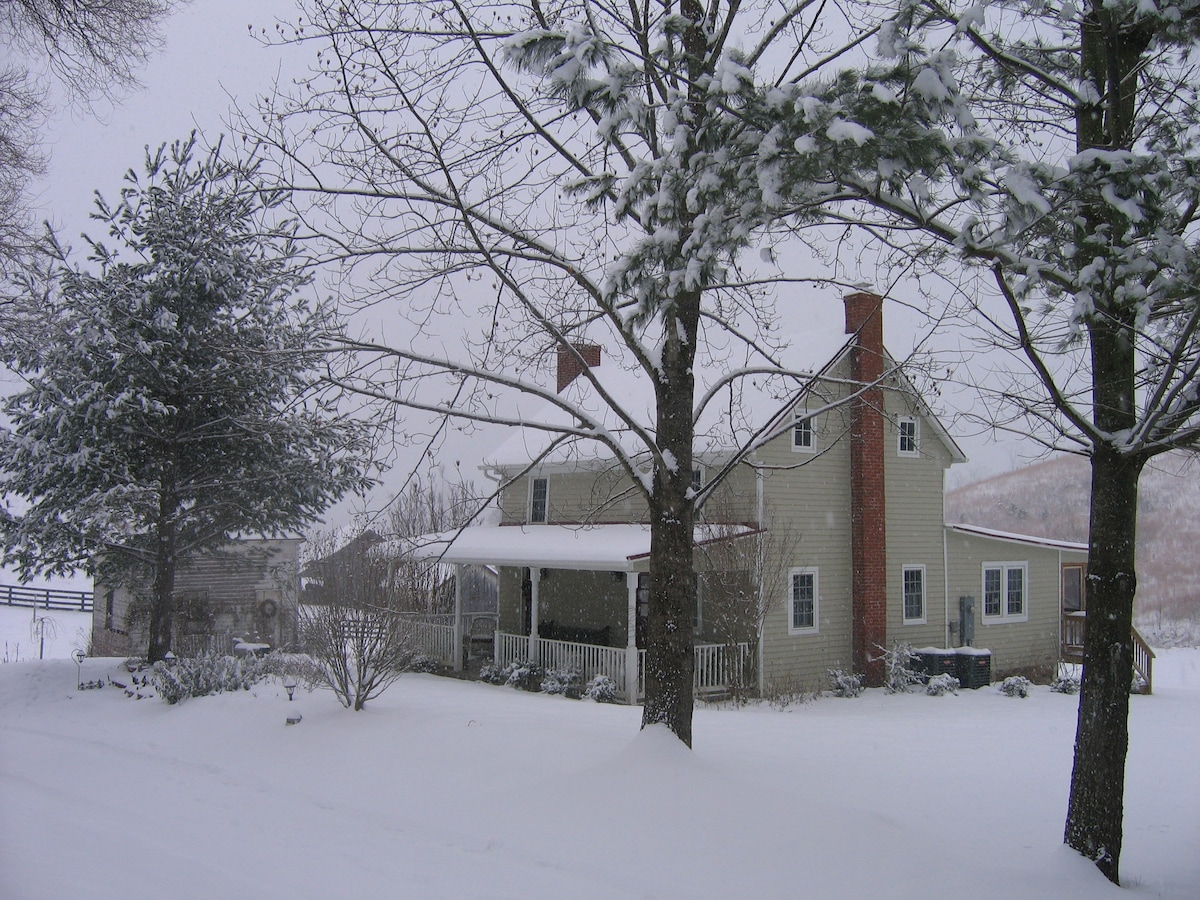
(1050,499)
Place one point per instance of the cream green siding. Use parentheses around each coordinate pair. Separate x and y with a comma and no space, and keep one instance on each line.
(1028,646)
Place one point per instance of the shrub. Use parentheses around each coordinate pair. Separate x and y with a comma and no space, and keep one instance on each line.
(1065,684)
(424,663)
(940,684)
(845,684)
(900,671)
(602,689)
(491,673)
(568,682)
(1015,686)
(177,679)
(524,674)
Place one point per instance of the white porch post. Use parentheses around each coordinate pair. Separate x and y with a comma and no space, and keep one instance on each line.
(459,650)
(535,576)
(631,652)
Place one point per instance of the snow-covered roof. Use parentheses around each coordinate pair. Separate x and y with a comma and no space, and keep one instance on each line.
(613,548)
(1019,538)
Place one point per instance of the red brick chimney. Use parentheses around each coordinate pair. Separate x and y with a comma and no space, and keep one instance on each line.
(868,524)
(568,362)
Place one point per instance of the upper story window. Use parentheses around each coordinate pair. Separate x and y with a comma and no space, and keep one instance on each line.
(539,499)
(697,479)
(1005,591)
(804,435)
(804,602)
(909,431)
(913,584)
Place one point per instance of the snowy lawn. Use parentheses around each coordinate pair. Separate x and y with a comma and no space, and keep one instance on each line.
(450,789)
(64,631)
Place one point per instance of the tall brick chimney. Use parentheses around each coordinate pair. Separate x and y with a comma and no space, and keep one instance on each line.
(868,523)
(568,362)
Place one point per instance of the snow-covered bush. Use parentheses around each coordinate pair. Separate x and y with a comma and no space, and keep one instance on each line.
(568,682)
(491,673)
(178,679)
(424,663)
(520,673)
(602,689)
(941,684)
(524,674)
(1065,684)
(1015,686)
(845,684)
(901,668)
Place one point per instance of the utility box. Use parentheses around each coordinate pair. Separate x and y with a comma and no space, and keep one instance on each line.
(938,661)
(966,620)
(973,667)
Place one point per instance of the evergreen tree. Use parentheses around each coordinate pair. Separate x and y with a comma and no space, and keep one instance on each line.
(169,399)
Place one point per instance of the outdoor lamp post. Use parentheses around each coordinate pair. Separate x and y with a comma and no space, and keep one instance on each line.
(289,685)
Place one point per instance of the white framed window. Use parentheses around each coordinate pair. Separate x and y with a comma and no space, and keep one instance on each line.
(1006,592)
(908,429)
(539,499)
(804,433)
(913,591)
(804,601)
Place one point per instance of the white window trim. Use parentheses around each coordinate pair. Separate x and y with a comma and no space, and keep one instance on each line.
(916,423)
(529,507)
(1005,568)
(800,416)
(923,618)
(816,576)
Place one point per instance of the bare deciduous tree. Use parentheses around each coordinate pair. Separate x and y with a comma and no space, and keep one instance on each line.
(91,48)
(559,172)
(1055,149)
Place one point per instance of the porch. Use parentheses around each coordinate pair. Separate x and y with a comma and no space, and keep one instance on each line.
(569,594)
(1074,627)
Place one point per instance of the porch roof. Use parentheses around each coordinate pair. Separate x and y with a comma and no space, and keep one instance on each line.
(610,548)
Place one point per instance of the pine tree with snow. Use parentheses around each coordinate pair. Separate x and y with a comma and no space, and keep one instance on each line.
(168,401)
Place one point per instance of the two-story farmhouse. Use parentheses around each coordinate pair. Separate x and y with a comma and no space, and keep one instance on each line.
(823,546)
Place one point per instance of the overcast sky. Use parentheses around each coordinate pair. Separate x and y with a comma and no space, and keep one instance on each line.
(209,63)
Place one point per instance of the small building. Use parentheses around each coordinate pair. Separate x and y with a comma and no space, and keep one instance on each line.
(245,592)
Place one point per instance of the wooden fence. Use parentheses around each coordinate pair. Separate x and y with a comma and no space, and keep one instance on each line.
(46,598)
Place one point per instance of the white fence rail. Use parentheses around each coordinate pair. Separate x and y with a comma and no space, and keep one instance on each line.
(435,640)
(717,666)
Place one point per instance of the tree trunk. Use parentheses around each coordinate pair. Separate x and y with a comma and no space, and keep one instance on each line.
(1095,810)
(669,650)
(162,599)
(1111,51)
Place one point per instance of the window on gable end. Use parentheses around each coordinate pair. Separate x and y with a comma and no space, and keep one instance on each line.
(539,499)
(804,434)
(909,436)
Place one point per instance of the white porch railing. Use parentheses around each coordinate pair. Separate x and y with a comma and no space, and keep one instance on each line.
(435,640)
(717,666)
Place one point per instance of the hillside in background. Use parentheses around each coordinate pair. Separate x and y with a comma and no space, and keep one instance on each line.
(1050,499)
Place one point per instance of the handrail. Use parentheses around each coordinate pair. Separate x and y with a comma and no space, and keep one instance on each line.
(1143,660)
(1074,626)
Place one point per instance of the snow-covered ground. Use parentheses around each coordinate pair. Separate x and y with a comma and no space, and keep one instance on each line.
(20,634)
(451,789)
